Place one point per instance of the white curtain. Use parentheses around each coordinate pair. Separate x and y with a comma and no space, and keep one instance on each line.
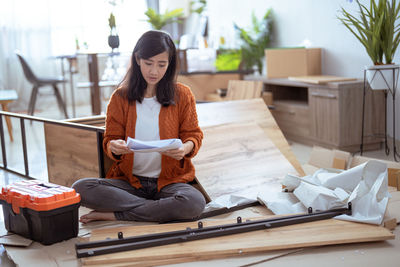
(44,29)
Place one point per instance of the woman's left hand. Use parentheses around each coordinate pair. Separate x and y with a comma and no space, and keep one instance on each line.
(179,153)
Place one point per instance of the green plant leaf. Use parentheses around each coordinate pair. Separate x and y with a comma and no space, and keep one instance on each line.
(255,40)
(377,28)
(158,21)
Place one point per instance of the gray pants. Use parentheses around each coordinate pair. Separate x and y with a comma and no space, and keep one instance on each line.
(174,202)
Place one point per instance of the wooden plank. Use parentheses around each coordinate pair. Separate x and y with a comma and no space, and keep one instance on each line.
(71,154)
(251,110)
(320,79)
(239,89)
(339,163)
(239,159)
(319,233)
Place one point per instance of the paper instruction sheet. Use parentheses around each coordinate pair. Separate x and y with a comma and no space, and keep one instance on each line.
(153,146)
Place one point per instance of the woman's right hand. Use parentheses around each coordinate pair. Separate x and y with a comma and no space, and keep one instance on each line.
(119,147)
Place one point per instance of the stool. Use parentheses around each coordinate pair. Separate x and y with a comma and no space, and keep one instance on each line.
(6,97)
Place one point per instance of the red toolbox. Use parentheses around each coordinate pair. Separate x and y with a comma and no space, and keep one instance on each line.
(44,212)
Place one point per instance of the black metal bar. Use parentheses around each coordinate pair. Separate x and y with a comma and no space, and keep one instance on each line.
(50,121)
(22,117)
(387,150)
(16,172)
(100,154)
(3,143)
(395,154)
(362,121)
(25,151)
(151,240)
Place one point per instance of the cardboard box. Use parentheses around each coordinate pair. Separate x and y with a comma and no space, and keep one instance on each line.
(337,159)
(285,62)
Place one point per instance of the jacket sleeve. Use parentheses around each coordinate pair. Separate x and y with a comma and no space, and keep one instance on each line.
(115,123)
(189,129)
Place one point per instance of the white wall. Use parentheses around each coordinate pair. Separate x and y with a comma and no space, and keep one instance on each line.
(300,20)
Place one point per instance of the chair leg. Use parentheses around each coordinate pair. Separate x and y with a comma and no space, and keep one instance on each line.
(60,101)
(32,101)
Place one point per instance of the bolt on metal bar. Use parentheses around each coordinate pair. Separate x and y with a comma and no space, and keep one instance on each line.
(3,143)
(151,240)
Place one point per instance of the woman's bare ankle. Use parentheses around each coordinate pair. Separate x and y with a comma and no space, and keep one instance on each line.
(97,216)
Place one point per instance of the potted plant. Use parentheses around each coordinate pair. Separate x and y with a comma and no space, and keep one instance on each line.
(113,38)
(377,28)
(158,21)
(254,41)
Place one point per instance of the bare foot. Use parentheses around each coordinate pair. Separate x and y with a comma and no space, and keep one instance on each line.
(97,216)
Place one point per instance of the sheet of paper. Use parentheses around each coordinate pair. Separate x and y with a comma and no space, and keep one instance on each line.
(227,201)
(153,146)
(365,186)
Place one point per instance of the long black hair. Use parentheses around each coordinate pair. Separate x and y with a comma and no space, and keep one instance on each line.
(149,45)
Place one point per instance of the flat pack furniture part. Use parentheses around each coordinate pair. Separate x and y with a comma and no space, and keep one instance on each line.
(95,248)
(242,111)
(311,234)
(239,159)
(68,162)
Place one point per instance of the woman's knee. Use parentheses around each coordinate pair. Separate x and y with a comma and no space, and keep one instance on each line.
(190,203)
(84,184)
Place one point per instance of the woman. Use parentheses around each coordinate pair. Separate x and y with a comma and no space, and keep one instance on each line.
(149,105)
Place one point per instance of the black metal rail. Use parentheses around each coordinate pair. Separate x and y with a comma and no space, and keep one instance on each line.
(23,118)
(120,244)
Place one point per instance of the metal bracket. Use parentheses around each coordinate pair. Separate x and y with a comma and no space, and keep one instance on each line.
(119,244)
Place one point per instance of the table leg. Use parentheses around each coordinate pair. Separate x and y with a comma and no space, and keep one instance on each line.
(94,84)
(8,121)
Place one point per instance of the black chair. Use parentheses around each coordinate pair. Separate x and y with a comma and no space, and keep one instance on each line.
(38,82)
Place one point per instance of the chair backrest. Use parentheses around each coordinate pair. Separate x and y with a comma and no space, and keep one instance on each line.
(238,89)
(29,75)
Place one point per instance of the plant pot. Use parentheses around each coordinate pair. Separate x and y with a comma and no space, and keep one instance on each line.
(382,77)
(113,41)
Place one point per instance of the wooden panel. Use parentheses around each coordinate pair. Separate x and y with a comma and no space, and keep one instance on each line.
(76,156)
(292,117)
(203,84)
(319,233)
(343,114)
(243,90)
(71,154)
(324,110)
(239,159)
(320,79)
(252,110)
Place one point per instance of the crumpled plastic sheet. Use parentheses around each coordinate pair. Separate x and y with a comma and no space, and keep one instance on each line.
(365,186)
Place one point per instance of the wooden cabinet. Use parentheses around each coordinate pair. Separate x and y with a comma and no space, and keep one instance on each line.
(204,83)
(324,119)
(328,115)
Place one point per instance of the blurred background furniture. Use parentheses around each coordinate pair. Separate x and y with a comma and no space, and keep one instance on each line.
(239,89)
(6,97)
(71,70)
(327,115)
(38,82)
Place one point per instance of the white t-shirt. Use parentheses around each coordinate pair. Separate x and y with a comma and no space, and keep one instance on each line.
(146,129)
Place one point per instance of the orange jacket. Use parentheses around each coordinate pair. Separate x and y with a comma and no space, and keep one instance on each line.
(175,121)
